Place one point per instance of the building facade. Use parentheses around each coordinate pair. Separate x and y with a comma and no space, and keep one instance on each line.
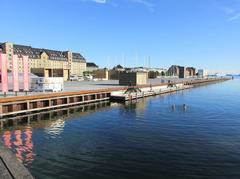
(190,71)
(202,73)
(101,74)
(91,67)
(45,62)
(181,72)
(173,70)
(128,78)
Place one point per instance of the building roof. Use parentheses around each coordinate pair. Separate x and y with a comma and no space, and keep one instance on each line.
(92,65)
(55,55)
(27,50)
(178,66)
(192,68)
(35,53)
(78,57)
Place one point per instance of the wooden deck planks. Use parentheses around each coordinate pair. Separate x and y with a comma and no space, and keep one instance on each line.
(4,173)
(11,166)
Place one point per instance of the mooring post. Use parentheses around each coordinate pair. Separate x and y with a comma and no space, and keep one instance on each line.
(28,105)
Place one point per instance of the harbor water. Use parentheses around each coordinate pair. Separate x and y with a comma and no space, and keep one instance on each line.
(155,137)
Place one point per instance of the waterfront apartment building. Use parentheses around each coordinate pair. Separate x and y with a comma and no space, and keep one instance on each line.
(181,72)
(202,73)
(45,62)
(173,70)
(190,71)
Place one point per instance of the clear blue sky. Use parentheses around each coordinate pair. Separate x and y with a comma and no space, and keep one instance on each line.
(201,33)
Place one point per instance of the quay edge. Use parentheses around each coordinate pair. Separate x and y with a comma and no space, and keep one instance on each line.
(27,104)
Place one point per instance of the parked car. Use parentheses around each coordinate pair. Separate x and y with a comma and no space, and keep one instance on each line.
(73,78)
(88,77)
(80,78)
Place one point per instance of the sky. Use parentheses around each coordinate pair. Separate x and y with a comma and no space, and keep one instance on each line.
(152,33)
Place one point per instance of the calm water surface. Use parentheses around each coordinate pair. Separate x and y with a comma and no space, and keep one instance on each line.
(147,139)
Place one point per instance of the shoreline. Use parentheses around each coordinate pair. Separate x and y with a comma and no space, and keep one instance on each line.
(12,106)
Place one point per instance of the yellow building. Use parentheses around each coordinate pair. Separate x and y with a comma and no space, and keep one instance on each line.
(45,62)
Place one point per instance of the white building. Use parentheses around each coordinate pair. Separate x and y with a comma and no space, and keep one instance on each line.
(202,73)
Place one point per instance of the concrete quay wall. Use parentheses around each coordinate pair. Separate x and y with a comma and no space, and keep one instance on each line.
(26,104)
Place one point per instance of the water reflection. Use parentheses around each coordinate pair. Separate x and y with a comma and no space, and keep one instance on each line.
(17,132)
(7,139)
(53,118)
(55,128)
(133,141)
(20,141)
(135,108)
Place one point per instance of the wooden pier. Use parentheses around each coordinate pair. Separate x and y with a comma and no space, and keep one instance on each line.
(26,104)
(44,118)
(11,106)
(10,167)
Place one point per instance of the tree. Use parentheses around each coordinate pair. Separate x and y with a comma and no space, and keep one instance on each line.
(118,67)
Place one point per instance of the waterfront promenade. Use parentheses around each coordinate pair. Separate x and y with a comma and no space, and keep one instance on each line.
(76,86)
(32,103)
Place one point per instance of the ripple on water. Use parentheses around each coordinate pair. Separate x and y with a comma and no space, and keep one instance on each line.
(147,139)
